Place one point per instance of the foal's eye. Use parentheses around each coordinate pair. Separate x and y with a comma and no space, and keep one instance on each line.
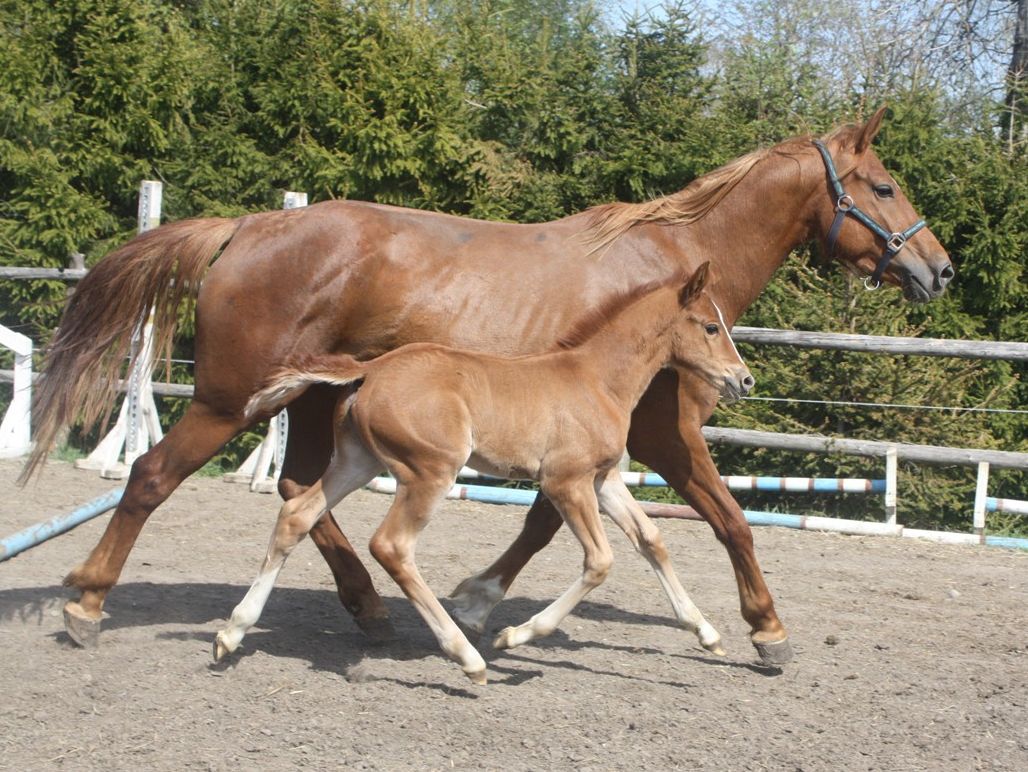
(883,191)
(711,329)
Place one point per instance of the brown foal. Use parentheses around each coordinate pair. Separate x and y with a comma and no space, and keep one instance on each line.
(363,279)
(423,411)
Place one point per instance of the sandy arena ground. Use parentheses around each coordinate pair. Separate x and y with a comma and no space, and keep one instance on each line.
(909,655)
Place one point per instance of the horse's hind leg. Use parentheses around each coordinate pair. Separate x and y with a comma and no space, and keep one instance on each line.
(617,502)
(578,506)
(308,450)
(184,449)
(351,469)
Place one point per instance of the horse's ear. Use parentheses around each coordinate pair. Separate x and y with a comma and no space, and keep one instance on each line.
(694,285)
(869,130)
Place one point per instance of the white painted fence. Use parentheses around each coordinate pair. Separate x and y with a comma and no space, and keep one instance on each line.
(16,429)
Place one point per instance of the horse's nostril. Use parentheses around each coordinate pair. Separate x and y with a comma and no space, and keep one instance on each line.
(748,382)
(947,272)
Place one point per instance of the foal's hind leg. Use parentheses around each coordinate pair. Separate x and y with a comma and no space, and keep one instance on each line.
(184,449)
(622,508)
(578,506)
(308,450)
(351,469)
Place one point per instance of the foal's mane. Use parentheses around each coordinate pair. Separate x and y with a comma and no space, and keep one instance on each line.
(587,326)
(610,221)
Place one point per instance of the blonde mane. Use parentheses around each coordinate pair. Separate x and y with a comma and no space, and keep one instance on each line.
(610,221)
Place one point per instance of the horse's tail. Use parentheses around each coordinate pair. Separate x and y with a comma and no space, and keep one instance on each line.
(157,269)
(290,382)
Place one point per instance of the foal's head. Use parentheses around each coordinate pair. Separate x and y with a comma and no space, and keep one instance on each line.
(701,341)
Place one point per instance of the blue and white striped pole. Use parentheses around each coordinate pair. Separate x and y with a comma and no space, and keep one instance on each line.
(55,526)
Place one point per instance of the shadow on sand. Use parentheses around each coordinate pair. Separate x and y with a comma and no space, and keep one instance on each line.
(310,625)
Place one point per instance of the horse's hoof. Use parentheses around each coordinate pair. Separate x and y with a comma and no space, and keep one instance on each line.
(378,629)
(476,677)
(81,628)
(774,652)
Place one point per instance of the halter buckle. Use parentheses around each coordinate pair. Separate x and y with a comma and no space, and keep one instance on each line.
(845,203)
(868,286)
(896,241)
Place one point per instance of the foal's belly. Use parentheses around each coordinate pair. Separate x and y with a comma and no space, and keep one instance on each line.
(499,465)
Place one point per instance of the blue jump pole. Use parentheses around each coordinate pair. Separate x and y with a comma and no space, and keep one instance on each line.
(55,526)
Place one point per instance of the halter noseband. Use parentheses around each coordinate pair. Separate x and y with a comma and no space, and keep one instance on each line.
(844,205)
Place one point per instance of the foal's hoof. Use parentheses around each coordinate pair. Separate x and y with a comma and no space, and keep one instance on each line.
(81,628)
(715,647)
(221,648)
(507,639)
(476,677)
(774,652)
(378,629)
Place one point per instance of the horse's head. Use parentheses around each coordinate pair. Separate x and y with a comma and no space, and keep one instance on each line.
(702,342)
(867,223)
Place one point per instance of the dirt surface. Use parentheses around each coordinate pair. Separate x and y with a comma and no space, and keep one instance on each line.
(909,655)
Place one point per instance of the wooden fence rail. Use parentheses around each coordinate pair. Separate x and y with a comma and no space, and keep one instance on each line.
(884,344)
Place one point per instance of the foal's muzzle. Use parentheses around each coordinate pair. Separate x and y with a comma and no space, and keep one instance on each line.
(737,384)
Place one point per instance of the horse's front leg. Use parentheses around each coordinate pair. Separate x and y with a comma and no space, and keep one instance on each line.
(476,597)
(666,435)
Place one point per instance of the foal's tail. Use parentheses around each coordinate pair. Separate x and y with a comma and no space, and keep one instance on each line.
(158,269)
(290,382)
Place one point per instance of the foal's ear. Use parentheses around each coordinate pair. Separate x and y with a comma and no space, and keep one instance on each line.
(694,285)
(869,130)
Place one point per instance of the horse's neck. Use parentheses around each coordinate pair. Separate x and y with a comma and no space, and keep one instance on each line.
(626,353)
(750,233)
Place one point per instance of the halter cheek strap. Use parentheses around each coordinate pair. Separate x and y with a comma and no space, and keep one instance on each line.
(844,205)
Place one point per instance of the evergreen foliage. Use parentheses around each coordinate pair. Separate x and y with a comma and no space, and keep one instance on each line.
(525,110)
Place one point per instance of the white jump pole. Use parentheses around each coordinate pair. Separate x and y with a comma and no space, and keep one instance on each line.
(981,492)
(262,467)
(137,427)
(16,429)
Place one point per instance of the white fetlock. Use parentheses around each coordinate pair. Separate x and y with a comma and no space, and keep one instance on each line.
(226,642)
(510,637)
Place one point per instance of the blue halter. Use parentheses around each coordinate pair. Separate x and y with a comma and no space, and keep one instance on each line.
(844,205)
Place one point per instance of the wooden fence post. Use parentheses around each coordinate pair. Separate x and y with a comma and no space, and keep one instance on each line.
(890,486)
(981,492)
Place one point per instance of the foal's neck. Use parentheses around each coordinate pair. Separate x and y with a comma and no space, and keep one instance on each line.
(626,352)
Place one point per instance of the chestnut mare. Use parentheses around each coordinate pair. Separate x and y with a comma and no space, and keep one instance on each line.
(424,410)
(363,279)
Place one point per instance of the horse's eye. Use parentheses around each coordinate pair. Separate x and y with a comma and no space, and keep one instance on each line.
(883,191)
(711,329)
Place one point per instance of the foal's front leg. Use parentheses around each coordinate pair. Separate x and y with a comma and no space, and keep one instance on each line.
(393,547)
(578,506)
(617,502)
